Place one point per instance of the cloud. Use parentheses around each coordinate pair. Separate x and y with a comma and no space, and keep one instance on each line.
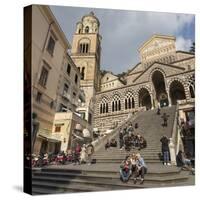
(183,44)
(123,32)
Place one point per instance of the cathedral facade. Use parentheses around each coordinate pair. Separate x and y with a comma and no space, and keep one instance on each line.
(161,78)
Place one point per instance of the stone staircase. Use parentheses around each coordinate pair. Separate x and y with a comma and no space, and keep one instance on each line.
(104,174)
(150,126)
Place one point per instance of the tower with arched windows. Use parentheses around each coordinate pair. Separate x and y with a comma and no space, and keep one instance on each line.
(86,53)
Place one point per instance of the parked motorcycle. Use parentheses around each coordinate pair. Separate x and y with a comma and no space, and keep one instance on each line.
(61,158)
(45,159)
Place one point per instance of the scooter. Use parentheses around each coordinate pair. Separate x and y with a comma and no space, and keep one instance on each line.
(60,159)
(45,160)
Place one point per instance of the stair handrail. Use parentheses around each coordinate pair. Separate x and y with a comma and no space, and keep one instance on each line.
(174,140)
(98,144)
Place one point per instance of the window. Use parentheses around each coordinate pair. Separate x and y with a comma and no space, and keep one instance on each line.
(63,108)
(82,115)
(74,95)
(52,104)
(84,48)
(86,29)
(57,129)
(65,89)
(39,97)
(68,69)
(90,118)
(51,45)
(76,79)
(83,73)
(43,77)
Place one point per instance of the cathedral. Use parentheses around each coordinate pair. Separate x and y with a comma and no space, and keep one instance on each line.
(163,77)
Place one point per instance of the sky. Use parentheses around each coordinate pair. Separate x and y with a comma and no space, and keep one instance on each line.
(123,32)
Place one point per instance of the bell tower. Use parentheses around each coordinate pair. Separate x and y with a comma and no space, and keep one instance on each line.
(86,54)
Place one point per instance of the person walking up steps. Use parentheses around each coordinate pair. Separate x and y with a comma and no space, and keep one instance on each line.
(165,149)
(165,119)
(90,151)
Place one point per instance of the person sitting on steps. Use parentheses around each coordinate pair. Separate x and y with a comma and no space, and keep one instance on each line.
(125,170)
(107,145)
(183,162)
(141,169)
(113,143)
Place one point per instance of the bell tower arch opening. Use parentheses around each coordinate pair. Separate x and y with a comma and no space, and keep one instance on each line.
(86,54)
(160,89)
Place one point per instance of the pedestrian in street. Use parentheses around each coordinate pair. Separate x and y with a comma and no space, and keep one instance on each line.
(165,150)
(136,126)
(77,154)
(141,169)
(83,154)
(130,129)
(165,119)
(90,151)
(107,145)
(158,111)
(121,141)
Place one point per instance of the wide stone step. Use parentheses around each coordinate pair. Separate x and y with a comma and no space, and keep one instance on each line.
(102,168)
(113,182)
(101,175)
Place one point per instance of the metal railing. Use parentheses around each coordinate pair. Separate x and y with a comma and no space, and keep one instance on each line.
(101,141)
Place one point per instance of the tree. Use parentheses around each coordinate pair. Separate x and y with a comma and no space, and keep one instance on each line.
(192,48)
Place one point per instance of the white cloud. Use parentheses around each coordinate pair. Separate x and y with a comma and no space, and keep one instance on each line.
(183,44)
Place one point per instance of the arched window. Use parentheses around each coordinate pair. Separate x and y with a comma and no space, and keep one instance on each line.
(101,108)
(113,107)
(192,91)
(104,106)
(129,100)
(129,103)
(119,105)
(83,48)
(87,29)
(125,104)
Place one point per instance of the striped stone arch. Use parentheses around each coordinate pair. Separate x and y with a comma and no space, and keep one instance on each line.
(103,97)
(169,82)
(129,98)
(143,87)
(115,94)
(148,102)
(154,70)
(103,104)
(190,81)
(183,83)
(116,101)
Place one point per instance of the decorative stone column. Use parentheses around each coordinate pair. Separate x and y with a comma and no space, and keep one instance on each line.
(152,102)
(136,98)
(172,152)
(168,97)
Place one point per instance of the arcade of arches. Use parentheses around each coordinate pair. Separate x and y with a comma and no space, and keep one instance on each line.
(156,94)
